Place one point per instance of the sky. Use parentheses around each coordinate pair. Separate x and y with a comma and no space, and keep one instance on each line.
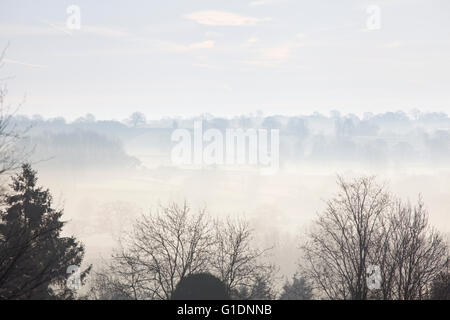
(226,58)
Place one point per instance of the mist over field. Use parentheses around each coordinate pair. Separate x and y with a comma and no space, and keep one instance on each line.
(266,149)
(107,173)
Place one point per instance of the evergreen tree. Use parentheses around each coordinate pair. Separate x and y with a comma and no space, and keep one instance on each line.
(34,257)
(440,289)
(297,290)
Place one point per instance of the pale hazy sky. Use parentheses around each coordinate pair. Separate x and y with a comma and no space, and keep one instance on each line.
(168,58)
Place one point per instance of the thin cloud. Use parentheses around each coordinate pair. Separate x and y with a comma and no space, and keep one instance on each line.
(208,44)
(258,3)
(11,61)
(260,63)
(394,44)
(62,29)
(207,66)
(58,29)
(176,47)
(227,87)
(222,18)
(273,56)
(104,31)
(277,53)
(19,30)
(251,42)
(213,34)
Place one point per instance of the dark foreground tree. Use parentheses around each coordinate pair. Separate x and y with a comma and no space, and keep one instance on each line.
(440,289)
(202,286)
(34,257)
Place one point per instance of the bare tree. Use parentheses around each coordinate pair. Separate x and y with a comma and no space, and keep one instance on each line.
(412,254)
(172,243)
(364,225)
(163,248)
(337,252)
(237,263)
(10,154)
(115,282)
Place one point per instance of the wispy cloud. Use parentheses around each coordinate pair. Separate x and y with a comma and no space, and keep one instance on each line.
(227,87)
(222,18)
(19,30)
(394,44)
(273,56)
(11,61)
(257,3)
(213,34)
(58,29)
(280,53)
(207,66)
(251,42)
(104,31)
(208,44)
(176,47)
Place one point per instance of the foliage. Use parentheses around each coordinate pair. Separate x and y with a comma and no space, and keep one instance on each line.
(34,256)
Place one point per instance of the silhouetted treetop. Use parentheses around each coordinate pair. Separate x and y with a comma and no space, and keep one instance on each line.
(201,286)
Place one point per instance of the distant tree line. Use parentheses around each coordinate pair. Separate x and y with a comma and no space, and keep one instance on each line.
(391,138)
